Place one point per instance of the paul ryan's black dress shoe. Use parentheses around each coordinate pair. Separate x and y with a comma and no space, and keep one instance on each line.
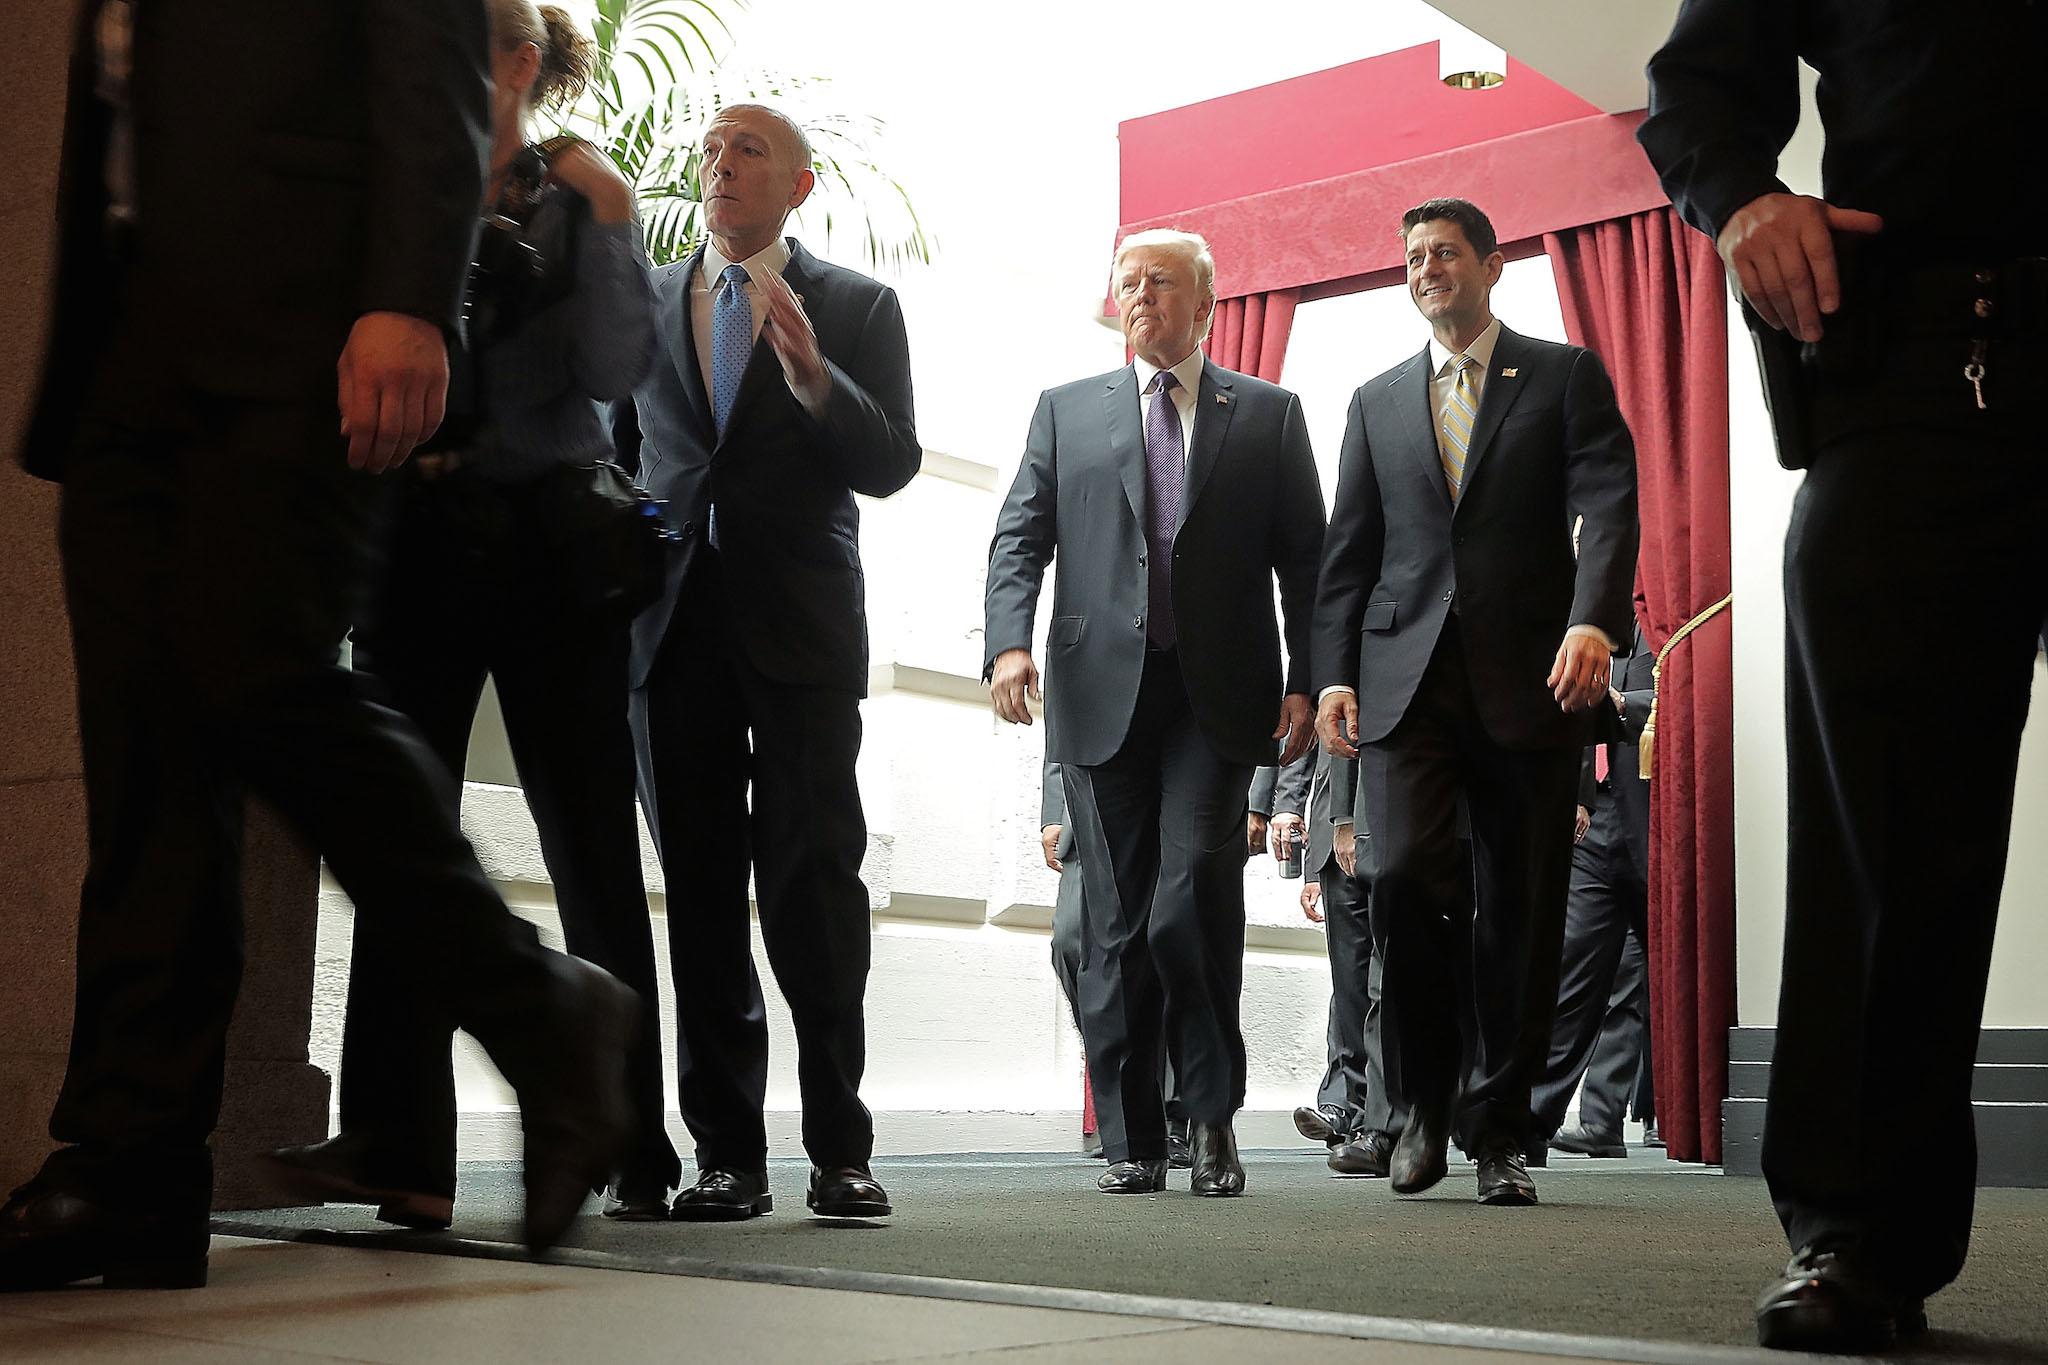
(1504,1177)
(1180,1146)
(1363,1157)
(1825,1302)
(1582,1143)
(51,1236)
(1217,1172)
(847,1192)
(724,1196)
(350,1168)
(1319,1125)
(1420,1157)
(1133,1177)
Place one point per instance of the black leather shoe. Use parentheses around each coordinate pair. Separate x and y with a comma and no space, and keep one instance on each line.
(1504,1177)
(569,1069)
(637,1199)
(1582,1143)
(1180,1147)
(1133,1177)
(847,1192)
(349,1168)
(1319,1124)
(1363,1157)
(724,1196)
(1218,1173)
(1825,1302)
(52,1235)
(1420,1157)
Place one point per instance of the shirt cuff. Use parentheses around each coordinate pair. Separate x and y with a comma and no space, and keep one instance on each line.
(1594,631)
(1334,688)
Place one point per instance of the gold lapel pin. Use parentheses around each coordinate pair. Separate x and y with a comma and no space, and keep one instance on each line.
(1510,372)
(1222,400)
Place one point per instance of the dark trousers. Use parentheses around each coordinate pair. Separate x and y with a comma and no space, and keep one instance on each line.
(1602,1009)
(1160,831)
(473,591)
(1509,929)
(1355,1079)
(1919,510)
(214,553)
(1066,965)
(709,726)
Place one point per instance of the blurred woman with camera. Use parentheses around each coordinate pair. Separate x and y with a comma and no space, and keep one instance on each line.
(487,575)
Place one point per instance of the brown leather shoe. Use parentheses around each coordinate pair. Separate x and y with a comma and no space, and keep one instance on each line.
(847,1192)
(350,1168)
(1363,1157)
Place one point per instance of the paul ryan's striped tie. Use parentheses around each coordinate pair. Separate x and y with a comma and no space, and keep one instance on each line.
(1461,410)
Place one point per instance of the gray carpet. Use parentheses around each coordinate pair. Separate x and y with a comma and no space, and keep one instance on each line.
(1639,1249)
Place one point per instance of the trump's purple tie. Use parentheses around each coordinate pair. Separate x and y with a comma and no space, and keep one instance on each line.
(1165,467)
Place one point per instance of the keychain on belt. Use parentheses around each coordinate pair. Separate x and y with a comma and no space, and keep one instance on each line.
(1981,312)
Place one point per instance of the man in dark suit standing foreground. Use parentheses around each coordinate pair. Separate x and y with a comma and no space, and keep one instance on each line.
(1172,491)
(1459,651)
(1905,338)
(783,390)
(215,533)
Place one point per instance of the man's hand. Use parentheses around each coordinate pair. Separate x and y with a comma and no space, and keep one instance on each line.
(1254,834)
(1049,839)
(1581,824)
(1311,898)
(1013,679)
(591,174)
(791,336)
(393,388)
(1344,847)
(1780,251)
(1579,676)
(1297,726)
(1337,724)
(1287,835)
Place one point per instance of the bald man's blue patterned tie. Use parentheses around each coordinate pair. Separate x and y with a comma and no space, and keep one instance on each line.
(732,341)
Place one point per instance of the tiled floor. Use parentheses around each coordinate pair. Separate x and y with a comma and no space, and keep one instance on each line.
(293,1301)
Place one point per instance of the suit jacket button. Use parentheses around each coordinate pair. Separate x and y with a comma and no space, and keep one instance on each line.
(689,528)
(1138,621)
(1449,595)
(1141,561)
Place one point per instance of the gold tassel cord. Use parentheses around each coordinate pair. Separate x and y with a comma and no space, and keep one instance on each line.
(1646,750)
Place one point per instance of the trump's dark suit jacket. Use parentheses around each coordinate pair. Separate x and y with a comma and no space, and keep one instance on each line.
(1549,443)
(783,482)
(1251,508)
(356,136)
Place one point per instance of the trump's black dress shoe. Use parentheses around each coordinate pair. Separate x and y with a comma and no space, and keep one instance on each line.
(1420,1156)
(1133,1177)
(1217,1171)
(1826,1302)
(1582,1143)
(1365,1156)
(351,1168)
(847,1192)
(56,1230)
(722,1195)
(1504,1176)
(1320,1124)
(1180,1146)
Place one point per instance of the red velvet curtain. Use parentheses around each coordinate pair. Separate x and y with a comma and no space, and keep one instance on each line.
(1648,294)
(1249,334)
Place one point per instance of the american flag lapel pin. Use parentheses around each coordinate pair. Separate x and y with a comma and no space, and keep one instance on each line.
(1222,400)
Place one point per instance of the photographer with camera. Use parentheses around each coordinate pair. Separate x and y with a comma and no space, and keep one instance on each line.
(498,566)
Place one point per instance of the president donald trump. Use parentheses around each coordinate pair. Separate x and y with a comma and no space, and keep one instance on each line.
(1171,491)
